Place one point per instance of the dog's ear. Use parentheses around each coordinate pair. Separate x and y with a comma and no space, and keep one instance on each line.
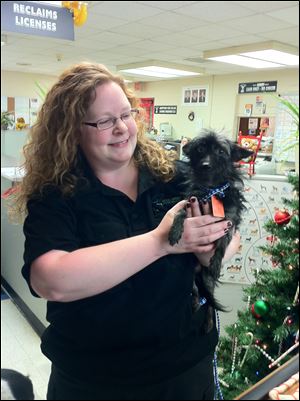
(238,152)
(186,148)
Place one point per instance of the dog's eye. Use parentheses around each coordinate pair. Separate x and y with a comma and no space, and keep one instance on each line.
(221,151)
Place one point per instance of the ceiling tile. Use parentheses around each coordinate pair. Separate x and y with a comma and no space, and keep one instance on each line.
(289,36)
(179,39)
(266,6)
(242,40)
(214,11)
(140,30)
(103,22)
(256,24)
(213,32)
(173,21)
(290,15)
(126,10)
(166,5)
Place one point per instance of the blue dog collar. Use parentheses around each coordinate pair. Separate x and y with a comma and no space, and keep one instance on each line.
(216,191)
(202,301)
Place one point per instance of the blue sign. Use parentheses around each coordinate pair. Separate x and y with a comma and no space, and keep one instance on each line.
(36,19)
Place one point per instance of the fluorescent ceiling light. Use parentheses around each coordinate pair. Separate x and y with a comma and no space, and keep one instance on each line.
(246,62)
(159,69)
(275,56)
(172,71)
(142,71)
(270,54)
(160,72)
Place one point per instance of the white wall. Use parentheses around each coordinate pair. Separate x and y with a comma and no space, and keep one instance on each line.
(23,84)
(223,98)
(223,102)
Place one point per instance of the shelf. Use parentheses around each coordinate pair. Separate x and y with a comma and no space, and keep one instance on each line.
(264,154)
(249,136)
(256,116)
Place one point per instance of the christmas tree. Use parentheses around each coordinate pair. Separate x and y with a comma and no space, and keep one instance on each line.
(268,327)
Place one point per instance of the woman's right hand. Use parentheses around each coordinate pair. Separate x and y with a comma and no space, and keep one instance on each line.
(199,232)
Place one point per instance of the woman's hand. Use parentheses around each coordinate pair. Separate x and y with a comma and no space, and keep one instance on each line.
(204,257)
(199,234)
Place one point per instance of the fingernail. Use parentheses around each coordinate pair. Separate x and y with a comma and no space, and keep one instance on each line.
(188,205)
(192,199)
(226,230)
(229,224)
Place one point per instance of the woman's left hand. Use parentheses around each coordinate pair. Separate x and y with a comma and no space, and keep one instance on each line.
(204,257)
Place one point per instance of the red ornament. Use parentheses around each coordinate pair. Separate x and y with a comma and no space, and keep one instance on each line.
(254,313)
(282,217)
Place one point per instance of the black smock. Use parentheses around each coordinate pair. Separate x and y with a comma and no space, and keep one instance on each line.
(142,331)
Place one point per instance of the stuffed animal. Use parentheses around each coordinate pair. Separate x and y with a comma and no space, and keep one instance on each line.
(250,144)
(20,124)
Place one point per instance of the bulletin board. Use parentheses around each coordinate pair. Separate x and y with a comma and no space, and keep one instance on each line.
(284,126)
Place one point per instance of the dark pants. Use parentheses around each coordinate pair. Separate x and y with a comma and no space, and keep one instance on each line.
(195,384)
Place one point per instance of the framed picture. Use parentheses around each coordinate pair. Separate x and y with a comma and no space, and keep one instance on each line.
(187,96)
(196,96)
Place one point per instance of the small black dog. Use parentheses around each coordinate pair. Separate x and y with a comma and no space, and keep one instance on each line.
(212,159)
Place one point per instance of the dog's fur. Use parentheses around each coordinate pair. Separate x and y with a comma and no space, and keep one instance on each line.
(212,159)
(15,386)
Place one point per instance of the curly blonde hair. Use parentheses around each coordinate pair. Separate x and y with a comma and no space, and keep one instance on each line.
(51,153)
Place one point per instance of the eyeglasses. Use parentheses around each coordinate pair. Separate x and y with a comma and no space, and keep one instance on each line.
(102,125)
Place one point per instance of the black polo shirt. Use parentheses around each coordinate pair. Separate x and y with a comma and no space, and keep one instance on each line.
(140,331)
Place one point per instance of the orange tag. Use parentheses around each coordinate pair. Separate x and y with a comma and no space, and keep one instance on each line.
(217,207)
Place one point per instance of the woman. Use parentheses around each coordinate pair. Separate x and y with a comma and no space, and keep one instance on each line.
(100,199)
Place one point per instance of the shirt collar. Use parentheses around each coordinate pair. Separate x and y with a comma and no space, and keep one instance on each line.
(145,179)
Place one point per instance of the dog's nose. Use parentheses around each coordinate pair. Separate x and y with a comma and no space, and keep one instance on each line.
(206,166)
(206,163)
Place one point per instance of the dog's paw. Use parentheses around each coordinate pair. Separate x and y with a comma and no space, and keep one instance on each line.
(177,228)
(174,237)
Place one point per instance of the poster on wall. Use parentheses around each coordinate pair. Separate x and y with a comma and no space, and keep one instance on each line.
(248,109)
(196,95)
(263,200)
